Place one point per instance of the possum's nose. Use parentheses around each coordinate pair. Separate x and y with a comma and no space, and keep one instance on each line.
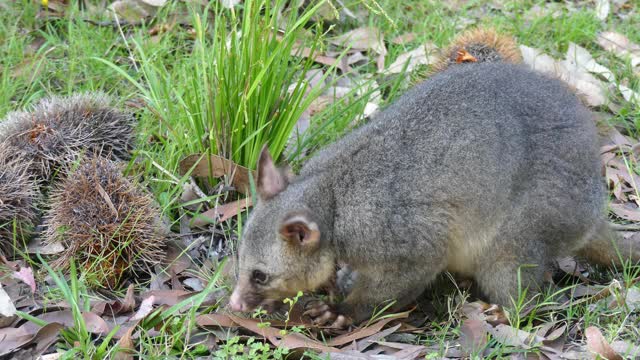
(236,303)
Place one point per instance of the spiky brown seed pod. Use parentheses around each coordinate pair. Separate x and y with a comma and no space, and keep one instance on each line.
(18,198)
(58,129)
(479,45)
(109,224)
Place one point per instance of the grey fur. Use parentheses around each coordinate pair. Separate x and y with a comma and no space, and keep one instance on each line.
(482,170)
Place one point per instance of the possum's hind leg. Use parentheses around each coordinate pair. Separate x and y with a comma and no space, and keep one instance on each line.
(517,259)
(511,272)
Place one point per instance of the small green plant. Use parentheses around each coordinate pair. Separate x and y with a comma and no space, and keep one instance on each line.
(176,328)
(260,313)
(378,312)
(252,349)
(292,302)
(77,341)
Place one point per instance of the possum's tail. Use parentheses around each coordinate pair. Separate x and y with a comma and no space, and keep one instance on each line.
(609,247)
(479,45)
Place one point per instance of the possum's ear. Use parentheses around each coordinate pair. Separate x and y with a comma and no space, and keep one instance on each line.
(271,180)
(298,230)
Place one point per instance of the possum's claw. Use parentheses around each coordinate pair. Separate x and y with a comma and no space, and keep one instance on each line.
(322,314)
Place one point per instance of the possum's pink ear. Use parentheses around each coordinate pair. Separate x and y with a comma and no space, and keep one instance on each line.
(298,230)
(271,180)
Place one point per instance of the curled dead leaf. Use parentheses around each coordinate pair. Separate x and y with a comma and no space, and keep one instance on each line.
(15,338)
(508,335)
(620,45)
(366,331)
(364,38)
(473,335)
(423,55)
(25,274)
(146,307)
(205,165)
(597,344)
(222,212)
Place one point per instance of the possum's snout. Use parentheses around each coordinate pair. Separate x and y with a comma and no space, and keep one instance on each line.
(236,303)
(248,301)
(245,297)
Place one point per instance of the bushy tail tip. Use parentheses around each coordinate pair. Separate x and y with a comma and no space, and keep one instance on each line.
(479,45)
(610,248)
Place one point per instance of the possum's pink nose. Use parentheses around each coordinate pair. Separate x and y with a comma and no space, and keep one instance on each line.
(236,302)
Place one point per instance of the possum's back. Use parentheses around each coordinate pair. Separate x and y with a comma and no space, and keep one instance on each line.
(478,138)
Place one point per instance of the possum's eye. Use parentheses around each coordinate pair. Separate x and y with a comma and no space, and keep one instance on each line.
(259,277)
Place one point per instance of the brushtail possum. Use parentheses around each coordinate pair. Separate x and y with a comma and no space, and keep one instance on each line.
(486,169)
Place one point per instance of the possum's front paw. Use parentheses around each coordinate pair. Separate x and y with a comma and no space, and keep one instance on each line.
(323,314)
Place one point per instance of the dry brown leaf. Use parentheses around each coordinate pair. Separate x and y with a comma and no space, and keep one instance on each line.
(357,57)
(294,340)
(597,344)
(618,139)
(423,55)
(14,339)
(129,301)
(217,166)
(221,213)
(7,309)
(177,260)
(570,266)
(620,45)
(632,298)
(131,10)
(585,290)
(407,351)
(320,59)
(580,58)
(125,345)
(366,331)
(473,335)
(116,307)
(25,274)
(30,66)
(626,211)
(508,335)
(590,88)
(290,341)
(168,297)
(353,355)
(404,38)
(35,246)
(614,179)
(624,348)
(215,319)
(538,60)
(555,334)
(490,313)
(95,324)
(146,307)
(362,344)
(364,38)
